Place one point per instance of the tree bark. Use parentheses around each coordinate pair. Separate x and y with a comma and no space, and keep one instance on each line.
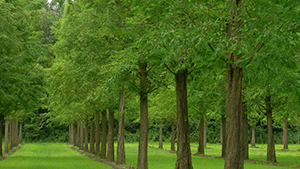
(160,135)
(6,134)
(204,133)
(11,144)
(201,137)
(224,138)
(86,137)
(103,135)
(173,135)
(184,160)
(110,137)
(21,131)
(1,133)
(70,134)
(121,131)
(234,74)
(245,137)
(92,137)
(97,133)
(143,141)
(75,134)
(78,134)
(81,136)
(271,157)
(253,137)
(285,134)
(15,134)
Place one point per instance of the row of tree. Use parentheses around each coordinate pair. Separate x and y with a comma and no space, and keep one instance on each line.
(231,57)
(235,60)
(21,63)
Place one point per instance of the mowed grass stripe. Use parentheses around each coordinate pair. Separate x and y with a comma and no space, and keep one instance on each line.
(49,156)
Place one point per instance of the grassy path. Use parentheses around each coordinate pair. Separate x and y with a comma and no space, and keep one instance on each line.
(60,155)
(49,156)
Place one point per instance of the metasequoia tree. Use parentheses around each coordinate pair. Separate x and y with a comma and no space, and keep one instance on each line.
(21,77)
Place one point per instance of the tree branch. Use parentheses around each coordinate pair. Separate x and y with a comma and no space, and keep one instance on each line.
(169,69)
(214,51)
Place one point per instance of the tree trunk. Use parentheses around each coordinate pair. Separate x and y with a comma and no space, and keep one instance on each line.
(285,134)
(92,137)
(184,160)
(70,134)
(234,74)
(143,141)
(86,137)
(6,134)
(271,157)
(21,132)
(201,137)
(15,133)
(78,134)
(110,137)
(245,138)
(103,135)
(11,144)
(253,137)
(224,139)
(173,135)
(204,133)
(160,135)
(75,134)
(121,131)
(97,133)
(81,136)
(1,130)
(233,156)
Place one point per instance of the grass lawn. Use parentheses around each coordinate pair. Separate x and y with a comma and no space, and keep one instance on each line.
(48,156)
(60,155)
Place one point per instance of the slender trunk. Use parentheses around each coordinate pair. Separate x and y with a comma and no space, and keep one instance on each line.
(253,137)
(204,133)
(104,135)
(110,137)
(160,135)
(285,134)
(184,160)
(97,133)
(245,138)
(173,135)
(81,136)
(6,134)
(233,156)
(75,134)
(121,131)
(11,145)
(143,141)
(1,133)
(271,157)
(71,134)
(15,133)
(92,136)
(224,139)
(78,134)
(221,133)
(21,132)
(234,74)
(201,137)
(86,137)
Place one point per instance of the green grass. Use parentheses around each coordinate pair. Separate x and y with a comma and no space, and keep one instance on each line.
(48,156)
(60,155)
